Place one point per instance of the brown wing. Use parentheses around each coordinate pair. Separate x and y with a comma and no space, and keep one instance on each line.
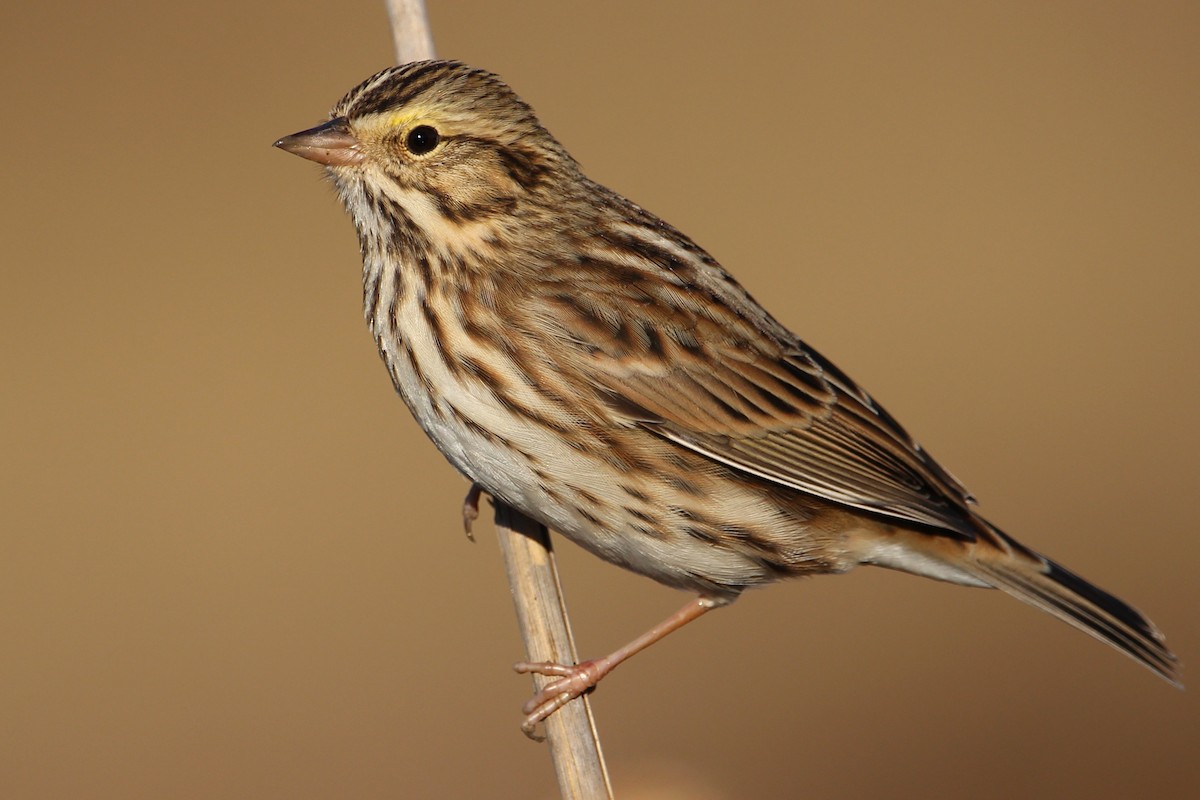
(692,369)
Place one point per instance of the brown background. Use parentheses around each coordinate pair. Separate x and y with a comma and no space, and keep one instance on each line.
(231,565)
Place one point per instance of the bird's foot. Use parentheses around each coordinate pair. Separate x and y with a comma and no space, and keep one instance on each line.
(470,509)
(573,681)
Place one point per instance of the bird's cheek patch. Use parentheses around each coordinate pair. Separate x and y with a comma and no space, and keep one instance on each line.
(468,191)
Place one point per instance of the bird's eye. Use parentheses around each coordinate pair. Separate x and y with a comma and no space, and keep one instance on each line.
(421,140)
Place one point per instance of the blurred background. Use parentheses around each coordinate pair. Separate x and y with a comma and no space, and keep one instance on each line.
(232,566)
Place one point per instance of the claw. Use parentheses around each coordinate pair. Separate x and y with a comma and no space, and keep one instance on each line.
(470,509)
(530,723)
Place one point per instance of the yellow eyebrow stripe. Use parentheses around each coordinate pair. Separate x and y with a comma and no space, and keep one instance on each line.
(399,120)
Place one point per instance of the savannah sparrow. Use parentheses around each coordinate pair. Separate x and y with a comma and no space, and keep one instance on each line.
(584,362)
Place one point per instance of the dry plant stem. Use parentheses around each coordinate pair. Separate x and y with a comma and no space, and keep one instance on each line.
(410,30)
(542,617)
(533,576)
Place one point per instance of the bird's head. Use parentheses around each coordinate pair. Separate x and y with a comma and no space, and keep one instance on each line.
(439,138)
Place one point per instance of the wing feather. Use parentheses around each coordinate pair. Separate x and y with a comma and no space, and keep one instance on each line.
(710,378)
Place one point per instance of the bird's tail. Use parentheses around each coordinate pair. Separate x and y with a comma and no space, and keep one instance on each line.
(999,561)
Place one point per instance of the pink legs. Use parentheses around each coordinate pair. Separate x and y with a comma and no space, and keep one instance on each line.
(578,679)
(581,678)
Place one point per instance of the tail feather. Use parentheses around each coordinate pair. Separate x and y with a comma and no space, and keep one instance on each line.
(1063,594)
(994,559)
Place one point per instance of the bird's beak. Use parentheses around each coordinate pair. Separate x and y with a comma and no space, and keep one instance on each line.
(331,144)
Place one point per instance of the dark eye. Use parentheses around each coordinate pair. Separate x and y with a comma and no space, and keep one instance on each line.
(421,140)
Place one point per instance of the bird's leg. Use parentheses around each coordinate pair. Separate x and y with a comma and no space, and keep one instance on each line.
(575,680)
(470,509)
